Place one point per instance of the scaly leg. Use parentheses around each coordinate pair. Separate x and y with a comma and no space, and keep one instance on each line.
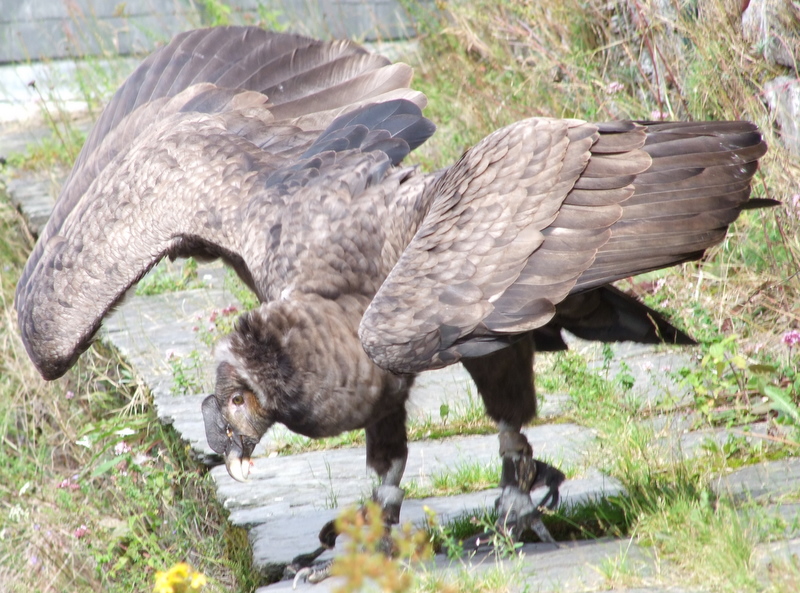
(505,382)
(387,451)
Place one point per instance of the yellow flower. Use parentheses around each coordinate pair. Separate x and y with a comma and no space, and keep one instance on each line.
(198,581)
(181,578)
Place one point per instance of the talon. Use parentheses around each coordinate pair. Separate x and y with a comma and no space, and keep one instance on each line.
(313,575)
(547,475)
(302,574)
(540,530)
(320,574)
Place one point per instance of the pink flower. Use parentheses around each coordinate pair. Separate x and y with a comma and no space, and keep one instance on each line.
(614,87)
(791,338)
(659,115)
(69,484)
(121,448)
(69,394)
(81,531)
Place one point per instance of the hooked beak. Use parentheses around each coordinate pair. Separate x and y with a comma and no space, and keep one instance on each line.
(235,449)
(237,458)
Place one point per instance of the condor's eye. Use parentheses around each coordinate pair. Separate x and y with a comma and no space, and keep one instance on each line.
(238,399)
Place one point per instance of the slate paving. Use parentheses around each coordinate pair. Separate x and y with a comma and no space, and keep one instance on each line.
(290,497)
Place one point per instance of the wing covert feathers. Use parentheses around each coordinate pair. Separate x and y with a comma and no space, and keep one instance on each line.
(637,197)
(180,148)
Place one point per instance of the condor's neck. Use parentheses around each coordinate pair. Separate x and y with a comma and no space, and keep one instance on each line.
(335,387)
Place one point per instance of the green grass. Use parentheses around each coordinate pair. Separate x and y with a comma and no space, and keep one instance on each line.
(164,278)
(668,503)
(459,479)
(96,493)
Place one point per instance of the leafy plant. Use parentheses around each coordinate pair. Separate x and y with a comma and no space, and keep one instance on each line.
(216,12)
(187,373)
(366,561)
(163,279)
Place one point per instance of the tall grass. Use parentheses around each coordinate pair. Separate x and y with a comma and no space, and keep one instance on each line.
(96,493)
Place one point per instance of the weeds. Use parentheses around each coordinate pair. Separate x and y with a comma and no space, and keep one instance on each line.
(458,479)
(187,373)
(98,494)
(161,279)
(365,562)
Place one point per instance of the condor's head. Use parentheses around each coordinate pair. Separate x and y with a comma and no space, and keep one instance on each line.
(254,375)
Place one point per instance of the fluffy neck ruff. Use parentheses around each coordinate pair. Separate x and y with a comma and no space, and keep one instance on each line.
(304,362)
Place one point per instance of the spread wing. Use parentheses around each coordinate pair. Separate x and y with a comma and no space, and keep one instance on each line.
(178,150)
(546,209)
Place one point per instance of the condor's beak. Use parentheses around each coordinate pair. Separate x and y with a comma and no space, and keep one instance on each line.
(235,449)
(237,457)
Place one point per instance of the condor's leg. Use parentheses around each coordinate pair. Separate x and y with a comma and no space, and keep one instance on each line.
(387,451)
(505,382)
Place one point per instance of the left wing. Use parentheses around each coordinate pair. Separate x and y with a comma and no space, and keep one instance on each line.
(544,209)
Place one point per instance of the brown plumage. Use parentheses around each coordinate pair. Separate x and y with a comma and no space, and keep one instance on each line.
(282,155)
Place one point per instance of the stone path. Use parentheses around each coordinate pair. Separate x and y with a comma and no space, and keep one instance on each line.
(290,497)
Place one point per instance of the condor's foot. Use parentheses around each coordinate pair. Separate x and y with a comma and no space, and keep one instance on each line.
(302,568)
(521,475)
(517,513)
(313,574)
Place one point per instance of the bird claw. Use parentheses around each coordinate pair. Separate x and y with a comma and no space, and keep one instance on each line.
(517,511)
(313,574)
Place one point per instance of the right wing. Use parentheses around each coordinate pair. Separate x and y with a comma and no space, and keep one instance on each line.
(173,157)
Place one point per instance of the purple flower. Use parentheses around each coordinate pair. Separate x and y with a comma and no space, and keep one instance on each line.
(791,338)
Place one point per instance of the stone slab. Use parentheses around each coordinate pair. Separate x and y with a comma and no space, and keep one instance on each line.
(575,566)
(34,198)
(283,536)
(651,368)
(288,485)
(779,558)
(766,481)
(294,496)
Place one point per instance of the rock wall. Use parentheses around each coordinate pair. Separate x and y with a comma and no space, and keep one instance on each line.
(53,29)
(773,26)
